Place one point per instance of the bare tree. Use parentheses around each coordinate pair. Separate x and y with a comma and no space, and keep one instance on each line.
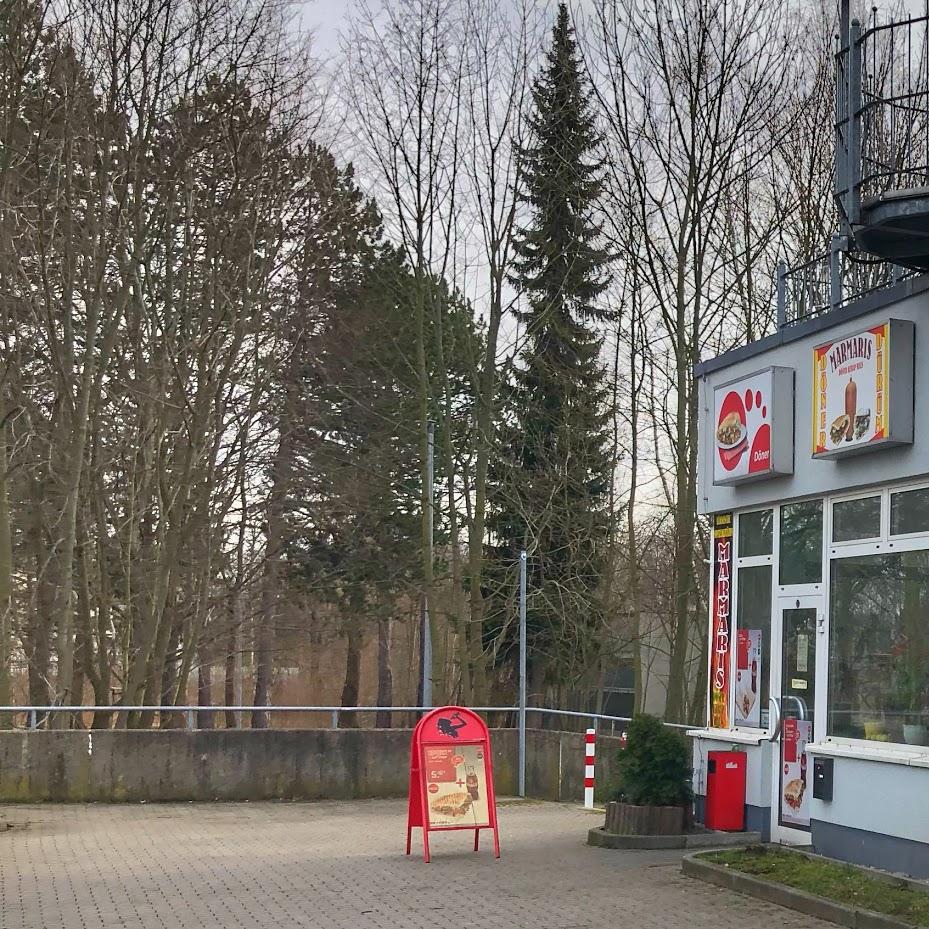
(688,89)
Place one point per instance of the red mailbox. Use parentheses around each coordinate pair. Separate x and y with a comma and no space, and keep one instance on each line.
(725,791)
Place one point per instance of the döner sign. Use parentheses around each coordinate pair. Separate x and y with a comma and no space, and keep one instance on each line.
(751,433)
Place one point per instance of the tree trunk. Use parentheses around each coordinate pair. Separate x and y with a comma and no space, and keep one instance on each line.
(350,688)
(204,691)
(385,684)
(684,515)
(37,631)
(6,580)
(232,665)
(264,651)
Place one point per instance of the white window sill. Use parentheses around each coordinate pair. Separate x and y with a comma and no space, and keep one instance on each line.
(736,736)
(916,757)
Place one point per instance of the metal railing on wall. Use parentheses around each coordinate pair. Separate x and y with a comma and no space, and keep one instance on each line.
(34,716)
(830,281)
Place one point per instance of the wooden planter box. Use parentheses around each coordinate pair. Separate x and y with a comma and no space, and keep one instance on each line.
(627,819)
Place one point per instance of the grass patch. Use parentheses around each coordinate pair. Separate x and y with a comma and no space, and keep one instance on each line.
(836,882)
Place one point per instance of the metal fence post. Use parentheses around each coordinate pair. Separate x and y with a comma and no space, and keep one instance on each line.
(835,271)
(854,131)
(522,673)
(190,720)
(335,719)
(33,720)
(781,294)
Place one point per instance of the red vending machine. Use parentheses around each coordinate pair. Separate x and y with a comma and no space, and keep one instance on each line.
(725,791)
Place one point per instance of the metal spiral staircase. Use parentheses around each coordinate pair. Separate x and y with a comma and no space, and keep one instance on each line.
(881,168)
(882,138)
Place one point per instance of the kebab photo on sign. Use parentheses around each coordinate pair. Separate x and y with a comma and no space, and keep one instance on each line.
(853,424)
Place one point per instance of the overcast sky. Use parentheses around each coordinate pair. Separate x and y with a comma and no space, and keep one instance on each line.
(323,18)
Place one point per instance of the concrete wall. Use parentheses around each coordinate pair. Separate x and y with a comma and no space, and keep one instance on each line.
(245,764)
(878,815)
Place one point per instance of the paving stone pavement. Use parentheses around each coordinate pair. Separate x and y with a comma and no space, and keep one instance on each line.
(335,865)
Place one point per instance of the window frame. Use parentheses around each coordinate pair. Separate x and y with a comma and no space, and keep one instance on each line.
(885,544)
(883,522)
(905,536)
(750,561)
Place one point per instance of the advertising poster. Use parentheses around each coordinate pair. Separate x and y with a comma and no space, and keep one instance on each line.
(748,678)
(720,662)
(456,786)
(753,431)
(851,400)
(795,799)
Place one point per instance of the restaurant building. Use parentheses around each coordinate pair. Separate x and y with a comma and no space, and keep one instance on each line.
(814,470)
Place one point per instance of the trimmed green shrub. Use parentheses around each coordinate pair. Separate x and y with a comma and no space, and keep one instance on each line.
(654,767)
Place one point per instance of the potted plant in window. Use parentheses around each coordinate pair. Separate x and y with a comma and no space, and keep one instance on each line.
(912,692)
(654,792)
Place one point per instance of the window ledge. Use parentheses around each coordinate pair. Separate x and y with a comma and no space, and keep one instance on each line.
(916,757)
(735,736)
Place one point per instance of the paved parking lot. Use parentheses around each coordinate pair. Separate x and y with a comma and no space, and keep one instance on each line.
(334,865)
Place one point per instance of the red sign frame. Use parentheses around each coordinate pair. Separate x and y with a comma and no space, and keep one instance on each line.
(438,731)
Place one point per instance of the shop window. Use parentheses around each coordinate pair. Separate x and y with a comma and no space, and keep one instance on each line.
(756,533)
(856,519)
(879,648)
(909,511)
(801,548)
(753,647)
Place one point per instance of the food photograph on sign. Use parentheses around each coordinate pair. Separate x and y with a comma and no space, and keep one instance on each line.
(748,678)
(852,395)
(795,800)
(853,382)
(745,423)
(456,785)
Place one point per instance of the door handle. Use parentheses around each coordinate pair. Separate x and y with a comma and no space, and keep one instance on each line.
(801,705)
(775,729)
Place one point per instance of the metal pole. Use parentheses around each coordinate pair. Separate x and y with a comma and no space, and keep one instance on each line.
(781,294)
(522,673)
(854,124)
(590,749)
(835,271)
(426,636)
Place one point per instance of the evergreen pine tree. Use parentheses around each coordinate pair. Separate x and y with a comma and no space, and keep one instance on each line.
(551,485)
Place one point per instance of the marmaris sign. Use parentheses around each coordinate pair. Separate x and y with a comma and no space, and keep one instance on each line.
(863,391)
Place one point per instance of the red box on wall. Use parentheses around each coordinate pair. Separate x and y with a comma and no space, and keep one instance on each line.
(725,791)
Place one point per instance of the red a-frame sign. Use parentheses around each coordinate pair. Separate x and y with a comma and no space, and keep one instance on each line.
(451,777)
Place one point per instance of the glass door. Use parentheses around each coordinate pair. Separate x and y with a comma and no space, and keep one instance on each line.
(795,686)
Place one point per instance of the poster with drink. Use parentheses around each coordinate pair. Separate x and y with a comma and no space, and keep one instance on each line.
(456,785)
(795,798)
(720,617)
(854,380)
(748,678)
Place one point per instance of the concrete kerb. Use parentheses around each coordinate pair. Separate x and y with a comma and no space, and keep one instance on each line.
(782,895)
(600,838)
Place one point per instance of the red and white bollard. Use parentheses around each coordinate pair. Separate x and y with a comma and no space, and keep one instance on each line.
(590,745)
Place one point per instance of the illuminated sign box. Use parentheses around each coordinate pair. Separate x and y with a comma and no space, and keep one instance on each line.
(753,427)
(863,391)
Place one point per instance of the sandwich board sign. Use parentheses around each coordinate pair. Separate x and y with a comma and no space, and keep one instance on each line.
(451,777)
